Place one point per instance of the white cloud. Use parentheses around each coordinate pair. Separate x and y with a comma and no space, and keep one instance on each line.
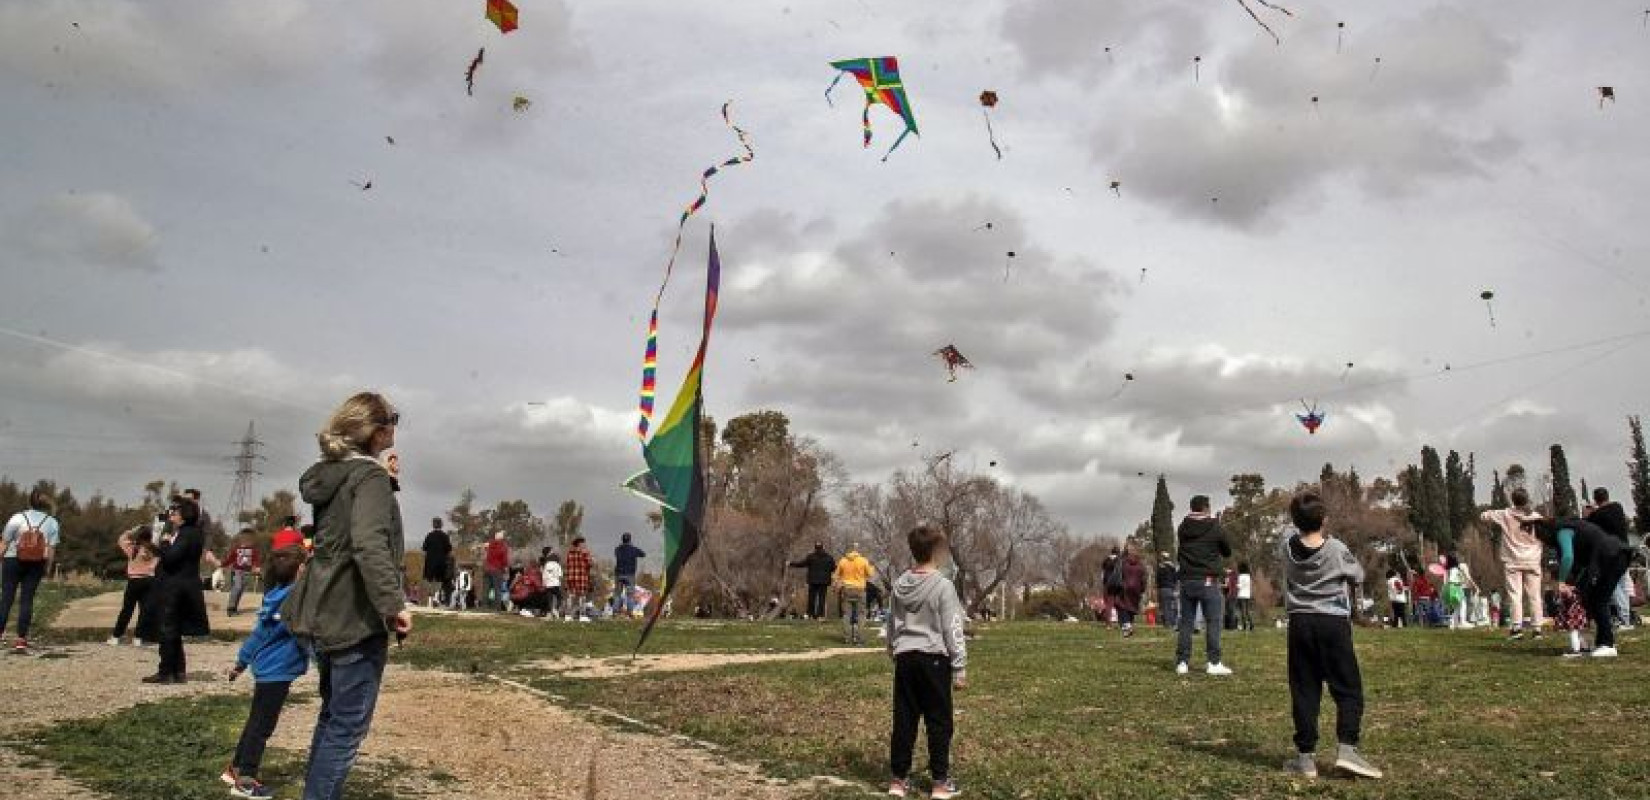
(97,229)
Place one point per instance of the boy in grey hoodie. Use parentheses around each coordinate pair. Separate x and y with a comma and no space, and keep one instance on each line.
(925,640)
(1319,571)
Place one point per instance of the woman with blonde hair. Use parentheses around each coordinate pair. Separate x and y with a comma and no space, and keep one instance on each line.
(349,598)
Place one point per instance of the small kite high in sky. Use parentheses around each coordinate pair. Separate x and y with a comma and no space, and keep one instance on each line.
(988,101)
(1197,69)
(1340,35)
(1117,188)
(1128,378)
(1347,371)
(520,104)
(880,79)
(953,360)
(1606,93)
(470,74)
(502,14)
(1487,296)
(1312,419)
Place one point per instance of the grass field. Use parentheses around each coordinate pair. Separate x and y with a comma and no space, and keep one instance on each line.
(1072,711)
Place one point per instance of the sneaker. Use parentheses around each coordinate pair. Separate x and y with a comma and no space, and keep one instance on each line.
(1606,651)
(1219,670)
(1303,764)
(161,678)
(944,789)
(1576,653)
(1350,760)
(1517,635)
(136,642)
(250,788)
(1182,668)
(113,641)
(20,646)
(230,777)
(898,788)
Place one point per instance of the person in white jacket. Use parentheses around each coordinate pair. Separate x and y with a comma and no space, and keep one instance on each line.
(551,574)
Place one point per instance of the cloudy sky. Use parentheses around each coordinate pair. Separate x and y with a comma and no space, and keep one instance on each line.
(183,247)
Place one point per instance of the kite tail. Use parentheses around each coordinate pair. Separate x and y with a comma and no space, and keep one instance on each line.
(991,134)
(865,119)
(891,150)
(1261,22)
(650,359)
(829,88)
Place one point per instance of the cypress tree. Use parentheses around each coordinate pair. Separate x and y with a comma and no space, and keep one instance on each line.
(1434,496)
(1498,492)
(1564,494)
(1638,475)
(1163,519)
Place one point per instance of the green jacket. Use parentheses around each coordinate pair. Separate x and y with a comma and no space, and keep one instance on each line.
(353,579)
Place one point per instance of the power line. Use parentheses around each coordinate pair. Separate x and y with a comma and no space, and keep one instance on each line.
(245,469)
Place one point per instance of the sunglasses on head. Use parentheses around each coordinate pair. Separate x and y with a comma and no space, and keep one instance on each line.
(393,420)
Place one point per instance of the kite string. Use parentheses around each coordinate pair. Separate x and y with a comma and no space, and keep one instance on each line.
(650,358)
(1261,22)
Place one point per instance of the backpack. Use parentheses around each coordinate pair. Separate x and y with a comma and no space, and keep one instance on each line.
(1114,578)
(31,540)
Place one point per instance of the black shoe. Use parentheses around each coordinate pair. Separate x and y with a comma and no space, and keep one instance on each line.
(180,678)
(160,677)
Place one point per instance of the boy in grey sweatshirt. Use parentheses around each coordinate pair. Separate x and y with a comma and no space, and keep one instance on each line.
(1319,572)
(925,640)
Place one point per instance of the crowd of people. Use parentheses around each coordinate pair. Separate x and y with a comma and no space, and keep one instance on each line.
(552,585)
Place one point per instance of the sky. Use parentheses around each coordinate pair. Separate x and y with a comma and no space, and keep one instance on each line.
(184,246)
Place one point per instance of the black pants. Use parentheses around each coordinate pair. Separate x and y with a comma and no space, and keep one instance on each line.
(267,700)
(172,661)
(1598,588)
(14,575)
(816,599)
(1320,651)
(922,690)
(1399,614)
(1246,617)
(137,589)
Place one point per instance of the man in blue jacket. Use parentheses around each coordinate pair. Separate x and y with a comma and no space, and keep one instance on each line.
(625,563)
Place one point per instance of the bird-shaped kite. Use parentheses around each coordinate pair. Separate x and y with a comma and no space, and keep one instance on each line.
(502,14)
(880,79)
(988,101)
(953,360)
(1312,419)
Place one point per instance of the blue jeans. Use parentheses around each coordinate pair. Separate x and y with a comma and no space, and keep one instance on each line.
(1623,602)
(1167,606)
(238,580)
(14,575)
(350,679)
(622,584)
(1196,596)
(498,584)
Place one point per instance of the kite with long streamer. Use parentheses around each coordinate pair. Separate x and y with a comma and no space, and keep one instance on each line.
(880,79)
(988,101)
(650,361)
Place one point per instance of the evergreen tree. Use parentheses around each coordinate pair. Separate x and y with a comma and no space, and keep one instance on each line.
(1463,506)
(1498,492)
(1163,540)
(1434,498)
(1564,494)
(1638,475)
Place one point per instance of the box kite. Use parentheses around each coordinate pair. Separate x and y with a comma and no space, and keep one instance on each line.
(502,14)
(879,77)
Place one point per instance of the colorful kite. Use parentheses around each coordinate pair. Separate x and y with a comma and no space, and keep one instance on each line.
(879,77)
(650,361)
(953,359)
(675,457)
(988,101)
(502,14)
(470,74)
(1312,419)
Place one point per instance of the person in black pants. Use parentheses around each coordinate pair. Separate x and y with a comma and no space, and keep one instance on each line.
(139,546)
(821,566)
(30,540)
(1591,562)
(177,605)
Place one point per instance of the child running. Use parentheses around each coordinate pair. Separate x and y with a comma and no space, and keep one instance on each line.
(276,660)
(1317,572)
(925,639)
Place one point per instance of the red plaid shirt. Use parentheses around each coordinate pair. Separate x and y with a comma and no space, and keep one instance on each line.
(578,570)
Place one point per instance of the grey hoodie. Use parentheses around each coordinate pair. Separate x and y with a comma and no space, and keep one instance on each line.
(1317,583)
(925,616)
(353,580)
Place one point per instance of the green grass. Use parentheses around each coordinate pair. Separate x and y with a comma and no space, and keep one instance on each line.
(175,749)
(1067,711)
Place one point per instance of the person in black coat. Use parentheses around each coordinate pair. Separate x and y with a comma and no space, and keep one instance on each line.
(1591,562)
(821,566)
(438,550)
(177,604)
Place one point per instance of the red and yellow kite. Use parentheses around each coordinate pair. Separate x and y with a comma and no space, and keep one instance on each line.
(502,14)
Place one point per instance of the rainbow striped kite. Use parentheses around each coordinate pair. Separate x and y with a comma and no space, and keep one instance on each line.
(675,477)
(879,77)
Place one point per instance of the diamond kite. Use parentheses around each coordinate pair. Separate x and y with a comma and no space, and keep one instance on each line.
(954,360)
(502,14)
(1312,419)
(879,77)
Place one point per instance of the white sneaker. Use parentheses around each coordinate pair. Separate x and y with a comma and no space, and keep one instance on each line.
(114,641)
(1604,652)
(1182,668)
(1218,669)
(526,613)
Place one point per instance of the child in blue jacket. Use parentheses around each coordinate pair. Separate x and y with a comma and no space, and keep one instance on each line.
(276,660)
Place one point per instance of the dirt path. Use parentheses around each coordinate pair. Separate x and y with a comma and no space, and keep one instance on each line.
(621,666)
(493,740)
(99,612)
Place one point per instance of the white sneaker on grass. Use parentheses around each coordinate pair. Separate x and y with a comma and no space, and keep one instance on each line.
(1220,670)
(1182,668)
(113,641)
(1303,764)
(1350,760)
(1606,651)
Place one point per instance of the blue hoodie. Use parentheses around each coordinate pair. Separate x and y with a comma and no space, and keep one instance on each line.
(272,652)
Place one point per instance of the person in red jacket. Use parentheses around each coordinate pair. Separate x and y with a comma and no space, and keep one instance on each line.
(243,561)
(578,579)
(497,566)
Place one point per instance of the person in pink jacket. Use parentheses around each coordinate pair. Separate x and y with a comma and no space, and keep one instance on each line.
(1520,554)
(139,546)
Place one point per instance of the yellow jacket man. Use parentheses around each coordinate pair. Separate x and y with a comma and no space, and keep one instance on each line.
(852,573)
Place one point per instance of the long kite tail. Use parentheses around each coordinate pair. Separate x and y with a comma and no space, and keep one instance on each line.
(905,133)
(991,134)
(650,358)
(832,86)
(1261,22)
(865,119)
